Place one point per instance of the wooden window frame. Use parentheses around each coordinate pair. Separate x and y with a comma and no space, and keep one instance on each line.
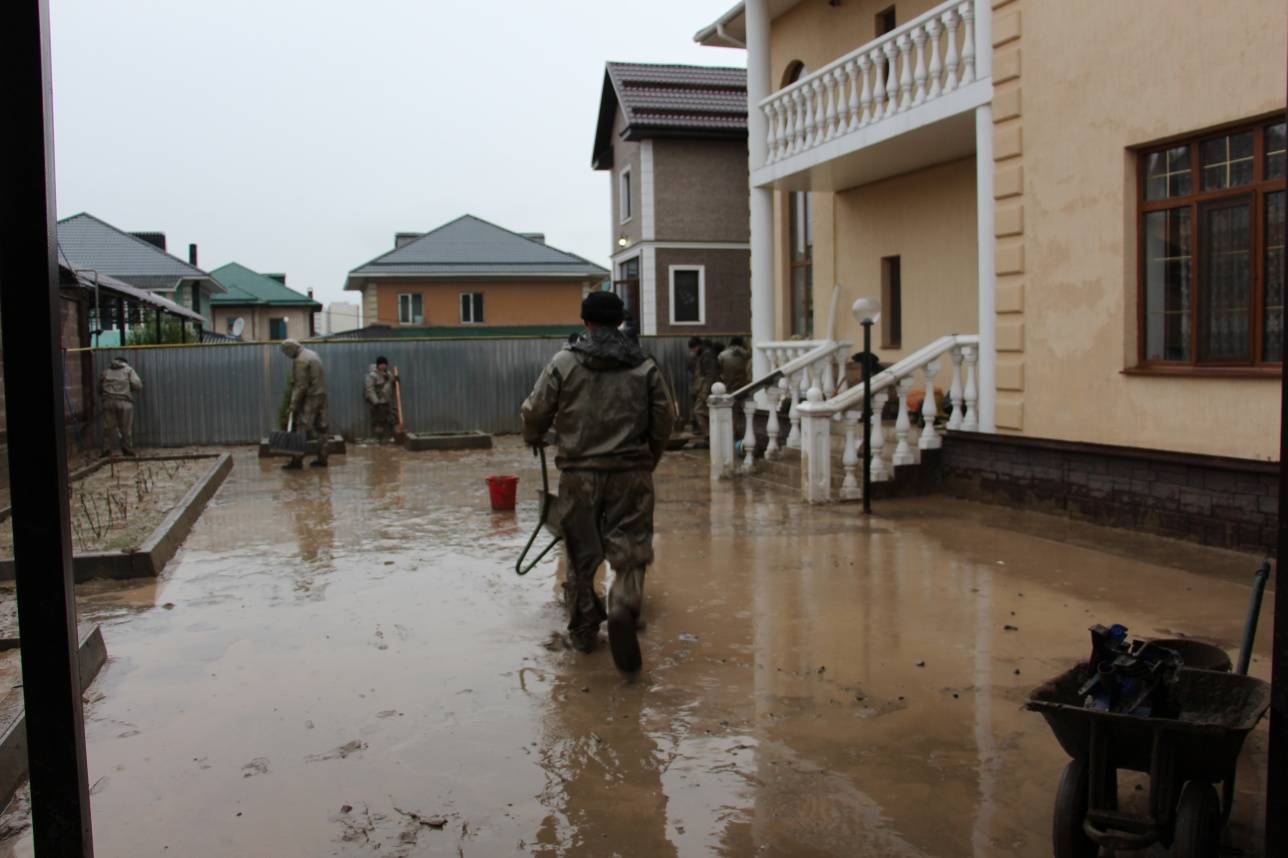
(702,292)
(1197,202)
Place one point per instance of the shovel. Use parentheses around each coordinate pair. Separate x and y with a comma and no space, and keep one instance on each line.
(400,429)
(288,443)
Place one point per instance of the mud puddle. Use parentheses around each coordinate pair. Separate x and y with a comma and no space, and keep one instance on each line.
(344,663)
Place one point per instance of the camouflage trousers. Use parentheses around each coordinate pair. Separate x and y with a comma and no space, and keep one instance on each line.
(314,420)
(118,424)
(382,420)
(701,410)
(604,515)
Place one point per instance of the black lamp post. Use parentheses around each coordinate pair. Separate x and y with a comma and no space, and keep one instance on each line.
(867,311)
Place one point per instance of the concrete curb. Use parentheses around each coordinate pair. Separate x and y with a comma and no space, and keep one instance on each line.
(13,740)
(151,556)
(475,440)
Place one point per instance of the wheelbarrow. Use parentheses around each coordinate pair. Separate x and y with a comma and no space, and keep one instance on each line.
(1184,757)
(548,521)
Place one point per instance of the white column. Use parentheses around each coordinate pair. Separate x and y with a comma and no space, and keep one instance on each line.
(721,429)
(987,273)
(816,451)
(756,15)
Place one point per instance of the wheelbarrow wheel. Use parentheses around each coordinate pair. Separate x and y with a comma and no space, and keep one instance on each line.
(1198,822)
(1068,839)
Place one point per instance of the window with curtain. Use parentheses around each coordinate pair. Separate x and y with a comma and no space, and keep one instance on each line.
(801,242)
(1212,249)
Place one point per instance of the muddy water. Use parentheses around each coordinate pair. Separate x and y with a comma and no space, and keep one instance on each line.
(344,663)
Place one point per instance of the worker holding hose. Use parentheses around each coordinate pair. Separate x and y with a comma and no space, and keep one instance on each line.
(607,403)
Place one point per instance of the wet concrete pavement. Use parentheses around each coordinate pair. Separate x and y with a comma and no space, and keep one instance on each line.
(344,663)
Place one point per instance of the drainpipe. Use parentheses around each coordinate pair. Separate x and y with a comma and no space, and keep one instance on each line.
(756,14)
(987,241)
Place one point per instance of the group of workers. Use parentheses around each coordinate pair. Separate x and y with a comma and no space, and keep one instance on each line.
(709,362)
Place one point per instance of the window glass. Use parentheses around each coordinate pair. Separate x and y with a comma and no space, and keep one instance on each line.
(1168,281)
(686,295)
(478,307)
(1227,161)
(1275,139)
(891,303)
(801,218)
(1167,173)
(1227,283)
(277,329)
(1273,333)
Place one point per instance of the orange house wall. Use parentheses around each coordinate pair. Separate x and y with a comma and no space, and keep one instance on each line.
(509,303)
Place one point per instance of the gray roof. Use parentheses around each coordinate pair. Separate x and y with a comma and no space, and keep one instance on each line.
(670,101)
(95,244)
(91,281)
(472,247)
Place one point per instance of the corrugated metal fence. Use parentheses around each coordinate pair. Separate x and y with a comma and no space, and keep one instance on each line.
(231,394)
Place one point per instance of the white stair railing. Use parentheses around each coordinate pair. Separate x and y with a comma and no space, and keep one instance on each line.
(796,366)
(818,412)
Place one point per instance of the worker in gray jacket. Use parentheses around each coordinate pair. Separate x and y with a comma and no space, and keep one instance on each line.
(735,365)
(608,406)
(116,387)
(378,391)
(308,400)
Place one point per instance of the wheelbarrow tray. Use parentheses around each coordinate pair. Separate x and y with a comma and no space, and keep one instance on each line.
(1218,710)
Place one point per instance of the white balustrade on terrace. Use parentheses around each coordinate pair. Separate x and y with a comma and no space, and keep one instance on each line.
(916,64)
(796,366)
(819,411)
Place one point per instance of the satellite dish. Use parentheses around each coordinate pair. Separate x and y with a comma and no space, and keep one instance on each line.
(239,325)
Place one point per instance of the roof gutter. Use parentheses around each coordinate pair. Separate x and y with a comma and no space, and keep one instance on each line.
(704,35)
(720,30)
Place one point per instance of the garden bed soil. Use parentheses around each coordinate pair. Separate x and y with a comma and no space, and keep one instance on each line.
(129,516)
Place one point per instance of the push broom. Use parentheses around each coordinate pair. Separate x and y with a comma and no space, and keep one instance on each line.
(288,442)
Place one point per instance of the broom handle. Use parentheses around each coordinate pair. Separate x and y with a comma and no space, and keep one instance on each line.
(398,396)
(290,420)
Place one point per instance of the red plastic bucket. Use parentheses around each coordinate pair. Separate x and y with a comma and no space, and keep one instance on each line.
(503,491)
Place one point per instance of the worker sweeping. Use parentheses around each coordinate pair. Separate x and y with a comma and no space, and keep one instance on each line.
(116,387)
(608,406)
(308,400)
(378,391)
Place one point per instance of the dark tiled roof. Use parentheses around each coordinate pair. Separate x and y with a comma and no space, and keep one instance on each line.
(670,100)
(472,247)
(91,243)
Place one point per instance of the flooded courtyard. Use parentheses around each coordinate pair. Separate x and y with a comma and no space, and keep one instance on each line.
(343,662)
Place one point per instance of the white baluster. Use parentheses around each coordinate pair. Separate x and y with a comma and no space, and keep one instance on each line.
(878,85)
(877,469)
(970,422)
(769,134)
(930,439)
(905,72)
(829,384)
(749,435)
(950,54)
(919,66)
(721,429)
(903,454)
(820,113)
(807,104)
(829,115)
(892,78)
(955,391)
(865,94)
(967,11)
(850,459)
(936,70)
(771,424)
(840,357)
(793,412)
(780,137)
(852,106)
(797,122)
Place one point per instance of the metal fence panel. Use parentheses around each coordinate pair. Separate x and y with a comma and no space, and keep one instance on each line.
(231,394)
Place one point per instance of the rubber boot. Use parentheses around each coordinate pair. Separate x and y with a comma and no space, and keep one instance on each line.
(624,602)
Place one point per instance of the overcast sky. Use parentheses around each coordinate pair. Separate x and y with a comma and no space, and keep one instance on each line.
(299,136)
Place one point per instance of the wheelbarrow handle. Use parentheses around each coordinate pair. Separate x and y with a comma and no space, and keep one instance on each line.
(520,567)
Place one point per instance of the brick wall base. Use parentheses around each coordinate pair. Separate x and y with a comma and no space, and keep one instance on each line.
(1229,503)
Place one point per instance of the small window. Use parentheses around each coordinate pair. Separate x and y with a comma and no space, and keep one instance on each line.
(472,308)
(891,303)
(885,21)
(624,194)
(688,295)
(411,309)
(277,329)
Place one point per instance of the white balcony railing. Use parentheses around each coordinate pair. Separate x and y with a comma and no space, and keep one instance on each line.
(917,63)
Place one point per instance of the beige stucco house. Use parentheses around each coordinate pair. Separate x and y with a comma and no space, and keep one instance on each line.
(673,140)
(1096,194)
